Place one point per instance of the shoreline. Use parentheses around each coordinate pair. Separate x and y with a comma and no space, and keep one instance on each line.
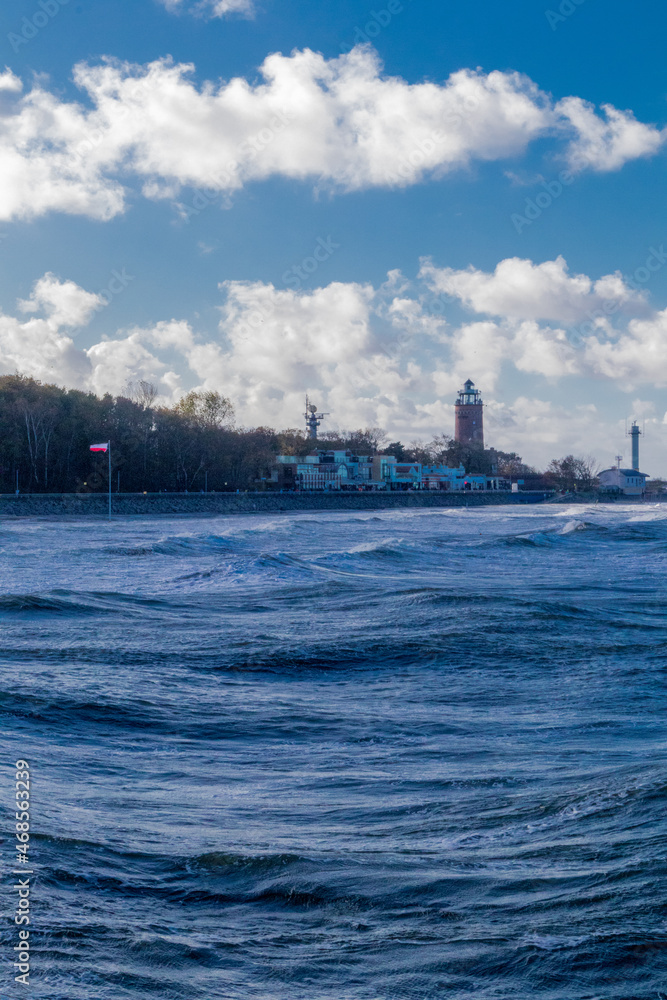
(95,505)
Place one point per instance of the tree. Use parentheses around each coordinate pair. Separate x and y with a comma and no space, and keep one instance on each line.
(476,460)
(37,405)
(206,408)
(510,464)
(396,449)
(142,392)
(573,473)
(439,449)
(367,441)
(419,452)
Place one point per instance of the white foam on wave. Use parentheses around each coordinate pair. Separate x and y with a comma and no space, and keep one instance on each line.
(571,526)
(554,942)
(381,545)
(571,510)
(656,514)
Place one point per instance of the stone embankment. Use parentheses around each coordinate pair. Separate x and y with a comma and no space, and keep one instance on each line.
(202,504)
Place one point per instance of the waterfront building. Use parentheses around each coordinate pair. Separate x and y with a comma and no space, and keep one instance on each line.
(323,470)
(627,482)
(343,470)
(531,481)
(485,483)
(442,477)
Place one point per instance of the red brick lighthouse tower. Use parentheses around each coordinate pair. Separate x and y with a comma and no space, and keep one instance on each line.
(469,408)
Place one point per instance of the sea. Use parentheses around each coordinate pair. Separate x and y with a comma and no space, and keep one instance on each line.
(398,755)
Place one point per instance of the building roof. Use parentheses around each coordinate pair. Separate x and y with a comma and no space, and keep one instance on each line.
(627,472)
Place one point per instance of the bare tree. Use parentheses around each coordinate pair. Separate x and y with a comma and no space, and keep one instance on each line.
(39,419)
(142,392)
(206,409)
(574,472)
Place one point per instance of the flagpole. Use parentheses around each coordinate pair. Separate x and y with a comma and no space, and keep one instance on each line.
(109,454)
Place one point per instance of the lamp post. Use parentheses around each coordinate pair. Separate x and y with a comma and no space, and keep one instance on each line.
(105,447)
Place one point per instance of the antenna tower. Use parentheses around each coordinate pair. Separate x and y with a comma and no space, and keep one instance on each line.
(313,419)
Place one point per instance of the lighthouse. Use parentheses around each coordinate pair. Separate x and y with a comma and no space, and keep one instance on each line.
(634,434)
(469,421)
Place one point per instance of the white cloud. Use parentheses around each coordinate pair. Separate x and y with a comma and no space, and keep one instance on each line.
(540,430)
(44,348)
(367,355)
(63,302)
(339,123)
(115,362)
(478,349)
(35,348)
(520,289)
(482,350)
(544,351)
(280,343)
(605,144)
(9,82)
(214,8)
(42,167)
(638,356)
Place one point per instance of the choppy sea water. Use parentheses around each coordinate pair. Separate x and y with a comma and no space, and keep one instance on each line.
(341,757)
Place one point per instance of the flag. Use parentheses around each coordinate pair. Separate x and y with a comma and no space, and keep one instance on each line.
(99,447)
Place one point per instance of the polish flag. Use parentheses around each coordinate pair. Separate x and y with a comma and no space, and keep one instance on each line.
(99,447)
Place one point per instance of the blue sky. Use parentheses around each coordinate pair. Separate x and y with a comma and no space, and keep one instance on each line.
(402,196)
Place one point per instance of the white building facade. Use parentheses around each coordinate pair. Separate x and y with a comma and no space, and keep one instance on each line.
(627,482)
(342,470)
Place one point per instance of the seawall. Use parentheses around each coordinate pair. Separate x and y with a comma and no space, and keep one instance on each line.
(201,504)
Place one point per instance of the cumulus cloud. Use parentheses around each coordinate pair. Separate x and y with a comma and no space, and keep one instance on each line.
(544,351)
(485,350)
(339,123)
(41,166)
(520,289)
(9,82)
(606,143)
(212,8)
(539,429)
(282,343)
(638,356)
(43,346)
(64,303)
(368,355)
(114,363)
(272,346)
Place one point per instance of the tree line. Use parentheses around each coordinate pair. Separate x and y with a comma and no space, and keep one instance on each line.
(46,432)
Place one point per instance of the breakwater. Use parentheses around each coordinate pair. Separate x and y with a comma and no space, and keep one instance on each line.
(170,504)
